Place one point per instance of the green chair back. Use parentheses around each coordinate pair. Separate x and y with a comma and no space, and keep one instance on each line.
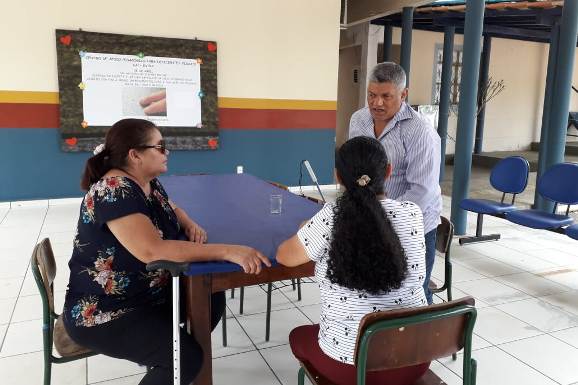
(406,337)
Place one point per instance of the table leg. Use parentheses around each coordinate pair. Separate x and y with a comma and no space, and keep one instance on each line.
(199,322)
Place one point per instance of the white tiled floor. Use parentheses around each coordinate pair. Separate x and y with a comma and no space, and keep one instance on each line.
(525,285)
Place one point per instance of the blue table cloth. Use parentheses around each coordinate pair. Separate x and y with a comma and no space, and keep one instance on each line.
(235,209)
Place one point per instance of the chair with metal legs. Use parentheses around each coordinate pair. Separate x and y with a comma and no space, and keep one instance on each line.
(54,334)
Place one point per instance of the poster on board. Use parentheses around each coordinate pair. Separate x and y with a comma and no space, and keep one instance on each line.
(107,77)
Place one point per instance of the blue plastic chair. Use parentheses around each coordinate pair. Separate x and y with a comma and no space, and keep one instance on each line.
(559,184)
(510,176)
(572,232)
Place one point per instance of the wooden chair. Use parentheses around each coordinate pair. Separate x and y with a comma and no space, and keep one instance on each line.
(54,333)
(406,337)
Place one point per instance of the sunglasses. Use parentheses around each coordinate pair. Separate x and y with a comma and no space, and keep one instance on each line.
(161,147)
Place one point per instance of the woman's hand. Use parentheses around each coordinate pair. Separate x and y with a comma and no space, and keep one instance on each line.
(195,233)
(248,258)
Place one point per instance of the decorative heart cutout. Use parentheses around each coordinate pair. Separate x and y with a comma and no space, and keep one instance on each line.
(212,47)
(66,40)
(213,143)
(71,141)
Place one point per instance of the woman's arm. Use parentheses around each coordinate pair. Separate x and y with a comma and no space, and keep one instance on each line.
(194,232)
(140,237)
(292,253)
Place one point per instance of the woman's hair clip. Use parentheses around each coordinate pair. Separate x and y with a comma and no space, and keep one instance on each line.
(363,180)
(98,149)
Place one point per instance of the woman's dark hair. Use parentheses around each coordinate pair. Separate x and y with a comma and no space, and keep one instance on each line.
(120,138)
(365,252)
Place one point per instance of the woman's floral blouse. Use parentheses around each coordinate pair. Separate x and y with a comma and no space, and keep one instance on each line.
(106,280)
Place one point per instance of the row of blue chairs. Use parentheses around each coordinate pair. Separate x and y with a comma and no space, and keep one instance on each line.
(558,184)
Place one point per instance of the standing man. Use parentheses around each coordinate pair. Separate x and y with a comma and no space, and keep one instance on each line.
(412,146)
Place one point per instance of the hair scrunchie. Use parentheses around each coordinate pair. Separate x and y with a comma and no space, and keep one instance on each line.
(363,180)
(98,149)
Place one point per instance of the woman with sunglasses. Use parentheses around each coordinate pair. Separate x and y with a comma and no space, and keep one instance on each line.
(113,305)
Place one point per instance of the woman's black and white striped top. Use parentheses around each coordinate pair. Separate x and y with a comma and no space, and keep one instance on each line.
(342,308)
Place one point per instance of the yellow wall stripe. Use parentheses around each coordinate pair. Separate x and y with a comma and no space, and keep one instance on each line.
(37,97)
(278,104)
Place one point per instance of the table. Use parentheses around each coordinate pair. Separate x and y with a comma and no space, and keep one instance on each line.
(233,209)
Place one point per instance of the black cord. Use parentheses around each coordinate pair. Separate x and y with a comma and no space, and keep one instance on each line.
(301,177)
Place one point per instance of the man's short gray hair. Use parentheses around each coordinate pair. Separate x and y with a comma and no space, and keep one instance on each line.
(388,72)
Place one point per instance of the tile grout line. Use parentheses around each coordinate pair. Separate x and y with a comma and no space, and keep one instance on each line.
(5,215)
(21,286)
(538,298)
(113,379)
(257,349)
(534,295)
(528,365)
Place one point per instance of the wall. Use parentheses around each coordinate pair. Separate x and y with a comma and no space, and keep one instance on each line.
(277,85)
(348,92)
(513,118)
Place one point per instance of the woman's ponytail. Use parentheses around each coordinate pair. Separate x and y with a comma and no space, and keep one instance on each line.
(95,168)
(365,252)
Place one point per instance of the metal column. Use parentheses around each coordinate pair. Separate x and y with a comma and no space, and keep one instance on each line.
(406,30)
(467,111)
(539,202)
(445,93)
(558,119)
(387,39)
(484,75)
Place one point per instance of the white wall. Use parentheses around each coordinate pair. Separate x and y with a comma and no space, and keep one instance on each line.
(513,118)
(266,49)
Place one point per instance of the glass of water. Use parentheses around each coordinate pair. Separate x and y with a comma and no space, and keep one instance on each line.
(276,203)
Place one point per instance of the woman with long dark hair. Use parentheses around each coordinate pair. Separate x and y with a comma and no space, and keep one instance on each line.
(113,305)
(370,256)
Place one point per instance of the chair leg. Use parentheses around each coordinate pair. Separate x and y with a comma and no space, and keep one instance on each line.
(293,283)
(268,315)
(449,288)
(479,237)
(298,289)
(47,371)
(448,273)
(224,326)
(233,293)
(301,377)
(241,298)
(473,372)
(449,282)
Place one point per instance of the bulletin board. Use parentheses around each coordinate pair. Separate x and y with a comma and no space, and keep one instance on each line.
(105,77)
